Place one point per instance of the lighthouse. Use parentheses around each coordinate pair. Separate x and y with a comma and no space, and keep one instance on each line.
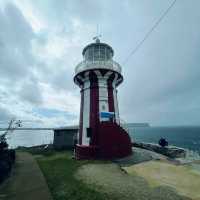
(100,134)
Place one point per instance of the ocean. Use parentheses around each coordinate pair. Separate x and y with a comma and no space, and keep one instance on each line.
(182,136)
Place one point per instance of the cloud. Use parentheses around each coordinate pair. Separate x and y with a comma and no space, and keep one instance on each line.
(30,92)
(15,48)
(41,43)
(5,115)
(24,71)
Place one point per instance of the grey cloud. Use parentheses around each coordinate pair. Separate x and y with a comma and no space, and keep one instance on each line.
(5,115)
(30,92)
(88,10)
(161,81)
(16,59)
(15,51)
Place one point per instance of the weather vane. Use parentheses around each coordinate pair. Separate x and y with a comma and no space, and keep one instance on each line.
(96,38)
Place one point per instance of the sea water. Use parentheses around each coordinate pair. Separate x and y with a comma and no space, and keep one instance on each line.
(183,136)
(186,137)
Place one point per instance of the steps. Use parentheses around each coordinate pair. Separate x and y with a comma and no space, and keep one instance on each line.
(114,142)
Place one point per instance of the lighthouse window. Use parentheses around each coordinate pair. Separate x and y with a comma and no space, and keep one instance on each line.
(86,55)
(90,54)
(89,132)
(108,54)
(102,53)
(96,52)
(103,107)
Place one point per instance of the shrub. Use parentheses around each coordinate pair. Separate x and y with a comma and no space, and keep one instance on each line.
(7,159)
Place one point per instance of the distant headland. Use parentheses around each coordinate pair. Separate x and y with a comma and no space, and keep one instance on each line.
(138,124)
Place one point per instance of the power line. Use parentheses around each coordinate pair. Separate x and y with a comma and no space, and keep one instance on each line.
(149,32)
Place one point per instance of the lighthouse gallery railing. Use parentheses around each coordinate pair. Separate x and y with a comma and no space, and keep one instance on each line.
(109,64)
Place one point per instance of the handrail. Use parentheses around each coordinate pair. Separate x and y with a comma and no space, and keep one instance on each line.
(123,124)
(104,64)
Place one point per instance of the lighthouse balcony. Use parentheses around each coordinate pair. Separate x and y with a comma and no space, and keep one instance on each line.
(98,64)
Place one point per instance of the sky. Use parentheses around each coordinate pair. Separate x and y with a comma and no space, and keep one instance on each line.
(41,42)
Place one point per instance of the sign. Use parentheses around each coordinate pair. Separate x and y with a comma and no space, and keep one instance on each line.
(107,114)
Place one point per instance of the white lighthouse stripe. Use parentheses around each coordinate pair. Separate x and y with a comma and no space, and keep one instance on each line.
(115,99)
(103,93)
(115,80)
(98,73)
(108,74)
(116,105)
(86,111)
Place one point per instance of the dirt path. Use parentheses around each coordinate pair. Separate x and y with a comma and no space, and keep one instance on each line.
(26,181)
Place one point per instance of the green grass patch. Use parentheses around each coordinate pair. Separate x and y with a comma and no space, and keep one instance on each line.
(59,170)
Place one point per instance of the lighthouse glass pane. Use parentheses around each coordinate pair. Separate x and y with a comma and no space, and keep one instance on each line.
(89,54)
(102,53)
(108,54)
(96,52)
(86,55)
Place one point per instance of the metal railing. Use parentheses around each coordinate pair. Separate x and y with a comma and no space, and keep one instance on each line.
(124,125)
(109,64)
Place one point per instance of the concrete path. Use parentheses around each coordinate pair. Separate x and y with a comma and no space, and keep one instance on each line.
(26,181)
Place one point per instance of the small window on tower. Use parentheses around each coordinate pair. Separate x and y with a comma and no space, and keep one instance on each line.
(89,132)
(103,107)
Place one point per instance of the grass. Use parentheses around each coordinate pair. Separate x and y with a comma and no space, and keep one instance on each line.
(96,180)
(59,170)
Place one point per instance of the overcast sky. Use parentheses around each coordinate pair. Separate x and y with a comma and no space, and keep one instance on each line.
(41,42)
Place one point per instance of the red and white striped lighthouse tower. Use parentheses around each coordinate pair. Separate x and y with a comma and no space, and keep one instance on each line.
(100,134)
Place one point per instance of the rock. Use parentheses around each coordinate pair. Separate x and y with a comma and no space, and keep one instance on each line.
(170,151)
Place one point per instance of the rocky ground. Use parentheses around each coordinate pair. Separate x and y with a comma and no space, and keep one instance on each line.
(140,155)
(109,178)
(144,175)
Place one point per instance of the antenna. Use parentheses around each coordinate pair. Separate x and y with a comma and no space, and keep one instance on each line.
(96,38)
(97,29)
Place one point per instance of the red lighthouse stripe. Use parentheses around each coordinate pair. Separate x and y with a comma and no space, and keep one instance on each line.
(94,107)
(81,118)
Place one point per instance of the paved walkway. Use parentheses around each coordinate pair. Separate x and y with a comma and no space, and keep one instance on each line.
(26,181)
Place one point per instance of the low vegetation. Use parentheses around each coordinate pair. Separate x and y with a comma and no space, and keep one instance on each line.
(7,159)
(59,170)
(95,180)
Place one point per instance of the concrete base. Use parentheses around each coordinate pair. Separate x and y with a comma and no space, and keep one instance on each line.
(85,152)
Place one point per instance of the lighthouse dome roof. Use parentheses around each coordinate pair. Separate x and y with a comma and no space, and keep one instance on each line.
(98,51)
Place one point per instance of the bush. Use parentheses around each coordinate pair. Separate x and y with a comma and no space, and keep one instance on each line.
(4,169)
(3,146)
(7,159)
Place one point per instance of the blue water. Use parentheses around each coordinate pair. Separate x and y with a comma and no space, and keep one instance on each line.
(29,138)
(186,137)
